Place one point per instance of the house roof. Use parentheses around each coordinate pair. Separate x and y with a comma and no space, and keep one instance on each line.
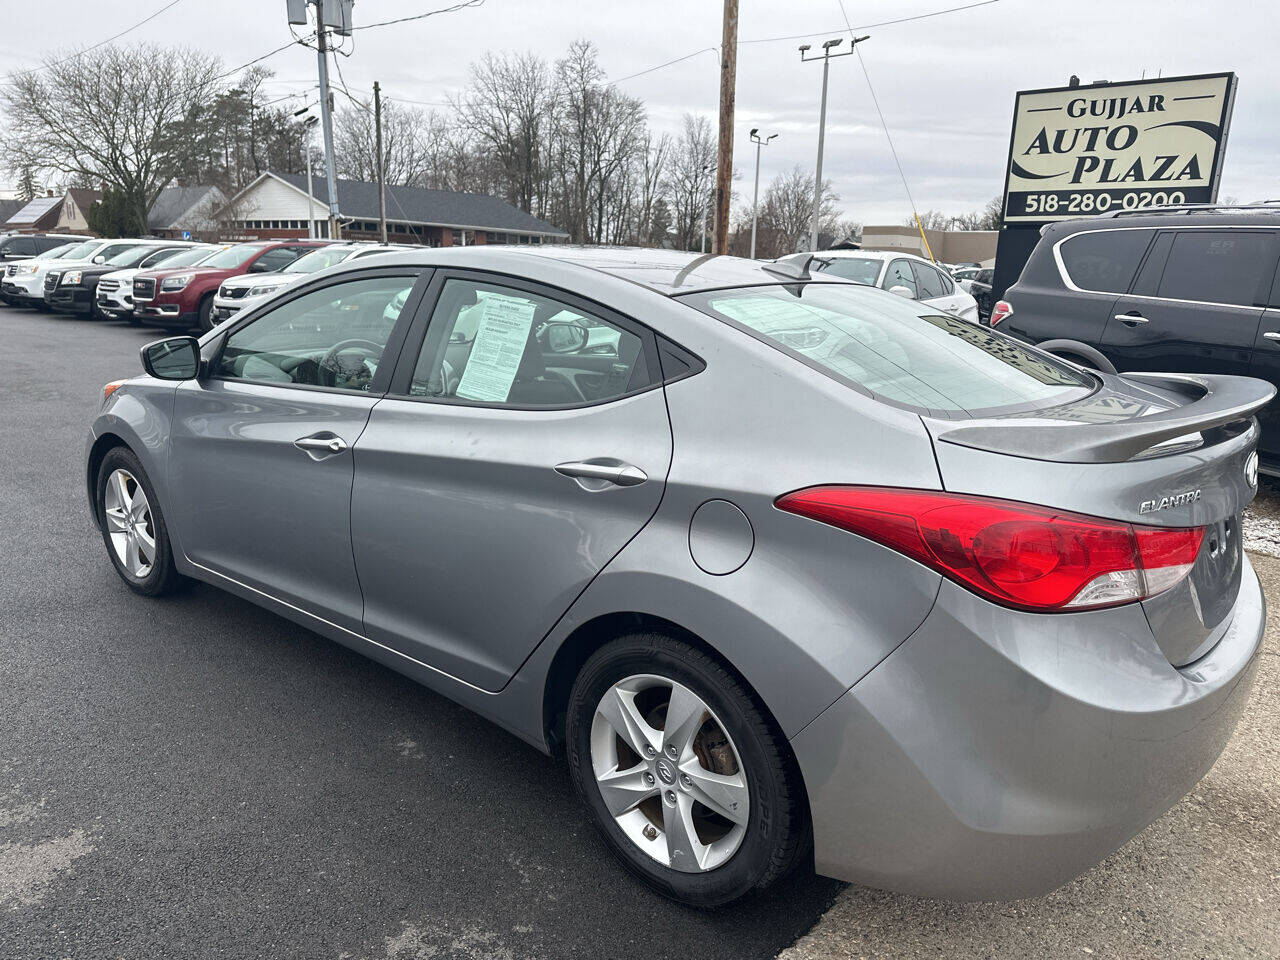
(84,198)
(174,206)
(40,212)
(358,199)
(9,207)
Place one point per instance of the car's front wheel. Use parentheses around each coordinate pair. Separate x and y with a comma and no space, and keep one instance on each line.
(685,776)
(133,527)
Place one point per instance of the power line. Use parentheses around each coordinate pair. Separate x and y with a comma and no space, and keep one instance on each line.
(871,26)
(271,53)
(806,36)
(421,16)
(876,100)
(100,43)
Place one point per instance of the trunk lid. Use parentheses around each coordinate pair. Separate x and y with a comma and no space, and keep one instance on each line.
(1155,449)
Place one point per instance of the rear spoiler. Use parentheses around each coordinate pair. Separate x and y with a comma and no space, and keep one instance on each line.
(1214,401)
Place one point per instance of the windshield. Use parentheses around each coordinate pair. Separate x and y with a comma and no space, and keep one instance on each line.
(82,251)
(131,257)
(896,350)
(56,252)
(857,269)
(319,259)
(232,256)
(185,258)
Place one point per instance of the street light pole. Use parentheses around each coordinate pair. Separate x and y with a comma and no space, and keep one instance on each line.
(706,200)
(307,126)
(755,194)
(827,47)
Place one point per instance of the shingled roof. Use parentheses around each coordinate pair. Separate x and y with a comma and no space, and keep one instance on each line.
(440,208)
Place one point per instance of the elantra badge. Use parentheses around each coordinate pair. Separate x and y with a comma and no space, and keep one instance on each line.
(1164,503)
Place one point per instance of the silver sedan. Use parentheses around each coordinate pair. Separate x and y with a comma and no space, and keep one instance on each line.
(789,569)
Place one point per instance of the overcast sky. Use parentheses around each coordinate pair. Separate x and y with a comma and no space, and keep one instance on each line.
(946,83)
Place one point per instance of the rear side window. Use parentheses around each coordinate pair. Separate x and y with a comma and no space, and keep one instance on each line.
(858,269)
(492,344)
(895,350)
(1215,266)
(1106,260)
(20,247)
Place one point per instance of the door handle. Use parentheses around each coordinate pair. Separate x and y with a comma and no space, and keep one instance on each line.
(1272,335)
(321,444)
(1131,318)
(609,470)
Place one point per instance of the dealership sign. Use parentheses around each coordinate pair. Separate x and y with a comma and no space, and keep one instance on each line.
(1079,151)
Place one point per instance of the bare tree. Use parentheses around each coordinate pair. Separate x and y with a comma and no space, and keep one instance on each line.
(405,156)
(988,218)
(509,109)
(108,117)
(689,180)
(930,220)
(786,214)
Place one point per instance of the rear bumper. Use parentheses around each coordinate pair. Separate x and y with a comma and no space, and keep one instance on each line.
(996,755)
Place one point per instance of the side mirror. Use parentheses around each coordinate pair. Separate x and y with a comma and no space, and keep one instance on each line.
(564,337)
(173,358)
(99,259)
(902,291)
(258,267)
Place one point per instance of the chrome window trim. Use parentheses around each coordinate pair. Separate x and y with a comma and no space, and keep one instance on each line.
(1070,285)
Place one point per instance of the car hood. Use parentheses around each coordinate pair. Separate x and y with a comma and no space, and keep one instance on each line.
(258,279)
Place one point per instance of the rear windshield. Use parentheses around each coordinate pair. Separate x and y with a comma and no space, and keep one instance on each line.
(897,350)
(858,269)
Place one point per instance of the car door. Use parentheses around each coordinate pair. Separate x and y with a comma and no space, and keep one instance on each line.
(938,290)
(261,463)
(1196,303)
(1265,364)
(523,443)
(900,274)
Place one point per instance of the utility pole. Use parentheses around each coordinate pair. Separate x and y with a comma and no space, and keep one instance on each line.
(755,193)
(827,47)
(326,118)
(382,179)
(724,155)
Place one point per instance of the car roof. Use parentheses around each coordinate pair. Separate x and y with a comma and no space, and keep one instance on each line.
(669,272)
(1171,218)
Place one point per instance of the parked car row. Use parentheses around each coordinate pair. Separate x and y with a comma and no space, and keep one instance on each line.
(168,283)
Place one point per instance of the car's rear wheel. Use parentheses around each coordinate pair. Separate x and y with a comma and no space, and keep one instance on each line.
(133,528)
(686,777)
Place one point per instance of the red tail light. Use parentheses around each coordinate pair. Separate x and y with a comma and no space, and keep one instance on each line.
(1016,554)
(1000,311)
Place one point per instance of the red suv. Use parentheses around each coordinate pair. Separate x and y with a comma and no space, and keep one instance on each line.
(183,297)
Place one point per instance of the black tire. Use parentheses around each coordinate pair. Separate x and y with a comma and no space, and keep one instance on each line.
(777,833)
(163,576)
(205,322)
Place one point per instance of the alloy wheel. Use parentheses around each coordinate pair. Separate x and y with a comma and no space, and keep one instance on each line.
(669,773)
(129,523)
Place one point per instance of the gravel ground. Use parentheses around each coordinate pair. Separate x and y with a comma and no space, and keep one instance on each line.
(1202,881)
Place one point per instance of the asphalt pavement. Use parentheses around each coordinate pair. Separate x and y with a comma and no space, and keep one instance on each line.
(195,777)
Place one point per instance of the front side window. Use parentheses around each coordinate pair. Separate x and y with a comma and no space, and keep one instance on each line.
(492,344)
(896,350)
(332,337)
(929,282)
(899,275)
(133,257)
(1213,266)
(1104,261)
(858,269)
(114,250)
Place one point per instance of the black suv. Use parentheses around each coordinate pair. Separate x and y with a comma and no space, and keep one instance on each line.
(1190,289)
